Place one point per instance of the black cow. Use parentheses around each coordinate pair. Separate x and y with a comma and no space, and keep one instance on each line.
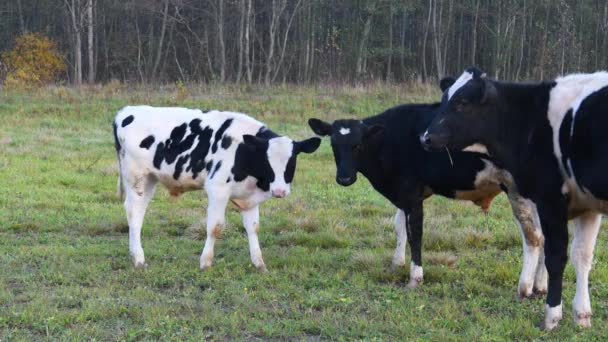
(551,138)
(386,150)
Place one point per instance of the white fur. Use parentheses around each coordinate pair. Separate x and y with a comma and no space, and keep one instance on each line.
(279,152)
(139,176)
(552,316)
(569,92)
(344,130)
(586,228)
(461,81)
(479,148)
(416,275)
(400,231)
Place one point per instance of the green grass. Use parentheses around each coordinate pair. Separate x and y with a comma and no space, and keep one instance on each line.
(66,271)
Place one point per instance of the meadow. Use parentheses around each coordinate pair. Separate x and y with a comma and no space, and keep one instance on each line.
(66,273)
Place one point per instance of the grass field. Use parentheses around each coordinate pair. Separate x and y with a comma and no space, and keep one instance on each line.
(66,271)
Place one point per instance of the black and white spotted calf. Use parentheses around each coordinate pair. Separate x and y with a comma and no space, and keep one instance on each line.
(551,137)
(231,155)
(385,149)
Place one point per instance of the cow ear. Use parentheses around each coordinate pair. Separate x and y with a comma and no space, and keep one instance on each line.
(320,127)
(490,94)
(254,142)
(373,132)
(446,83)
(308,145)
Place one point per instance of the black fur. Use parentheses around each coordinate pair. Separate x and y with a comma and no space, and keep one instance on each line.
(116,142)
(514,127)
(126,121)
(385,149)
(147,142)
(226,142)
(217,167)
(219,133)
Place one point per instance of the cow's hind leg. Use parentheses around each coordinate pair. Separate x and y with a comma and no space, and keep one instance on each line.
(216,210)
(529,224)
(251,221)
(586,228)
(554,222)
(139,191)
(399,222)
(413,226)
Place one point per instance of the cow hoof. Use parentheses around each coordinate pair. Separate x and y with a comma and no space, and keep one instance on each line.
(262,268)
(205,266)
(583,319)
(139,261)
(525,291)
(140,264)
(539,291)
(398,262)
(414,283)
(552,317)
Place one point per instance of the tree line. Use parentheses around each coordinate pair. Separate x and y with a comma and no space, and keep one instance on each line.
(308,41)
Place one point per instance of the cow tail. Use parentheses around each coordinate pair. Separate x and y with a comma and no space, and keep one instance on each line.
(120,192)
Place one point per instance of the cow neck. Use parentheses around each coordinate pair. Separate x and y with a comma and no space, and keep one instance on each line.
(372,164)
(521,124)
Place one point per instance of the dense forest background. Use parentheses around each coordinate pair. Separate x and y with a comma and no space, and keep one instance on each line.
(310,41)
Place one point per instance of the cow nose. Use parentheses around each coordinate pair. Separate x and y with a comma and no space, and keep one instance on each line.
(279,193)
(425,139)
(344,180)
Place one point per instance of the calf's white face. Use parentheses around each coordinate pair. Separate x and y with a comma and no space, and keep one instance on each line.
(280,151)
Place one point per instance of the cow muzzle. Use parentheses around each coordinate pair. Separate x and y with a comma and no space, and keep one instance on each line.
(279,193)
(434,142)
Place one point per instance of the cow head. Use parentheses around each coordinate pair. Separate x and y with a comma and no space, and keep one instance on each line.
(468,108)
(273,161)
(349,140)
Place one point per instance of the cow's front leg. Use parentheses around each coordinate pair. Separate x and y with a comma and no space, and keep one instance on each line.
(215,223)
(251,221)
(413,227)
(586,228)
(138,196)
(554,222)
(399,223)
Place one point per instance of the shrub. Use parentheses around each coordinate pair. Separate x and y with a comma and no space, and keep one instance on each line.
(33,62)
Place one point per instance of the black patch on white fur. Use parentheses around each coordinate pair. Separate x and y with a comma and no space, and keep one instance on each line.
(198,154)
(217,167)
(147,142)
(126,121)
(226,142)
(179,166)
(116,142)
(219,133)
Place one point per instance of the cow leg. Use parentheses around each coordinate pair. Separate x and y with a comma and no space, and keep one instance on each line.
(216,210)
(540,279)
(251,221)
(554,223)
(527,218)
(413,226)
(586,228)
(139,192)
(399,222)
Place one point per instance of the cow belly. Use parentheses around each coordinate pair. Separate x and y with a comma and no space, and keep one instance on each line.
(178,187)
(482,196)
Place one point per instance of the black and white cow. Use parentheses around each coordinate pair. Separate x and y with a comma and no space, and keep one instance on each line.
(385,149)
(551,138)
(233,156)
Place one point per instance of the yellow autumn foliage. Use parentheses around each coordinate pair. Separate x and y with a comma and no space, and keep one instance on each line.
(33,62)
